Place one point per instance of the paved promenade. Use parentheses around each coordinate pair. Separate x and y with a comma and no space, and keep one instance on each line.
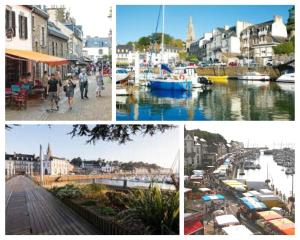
(30,209)
(87,109)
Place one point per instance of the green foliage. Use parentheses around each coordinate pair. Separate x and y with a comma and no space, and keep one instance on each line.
(157,210)
(192,58)
(285,48)
(106,211)
(118,199)
(209,137)
(88,203)
(146,42)
(116,132)
(95,192)
(76,161)
(129,166)
(68,191)
(183,56)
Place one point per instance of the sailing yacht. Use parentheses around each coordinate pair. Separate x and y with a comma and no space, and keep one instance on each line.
(169,81)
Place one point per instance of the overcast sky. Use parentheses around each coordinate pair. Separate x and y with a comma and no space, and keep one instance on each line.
(257,133)
(92,16)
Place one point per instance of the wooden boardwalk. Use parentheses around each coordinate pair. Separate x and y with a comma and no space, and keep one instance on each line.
(30,209)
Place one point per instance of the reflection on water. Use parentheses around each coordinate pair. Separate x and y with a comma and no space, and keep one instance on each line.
(230,100)
(270,170)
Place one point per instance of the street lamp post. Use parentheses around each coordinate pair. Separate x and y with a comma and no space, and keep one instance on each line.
(42,166)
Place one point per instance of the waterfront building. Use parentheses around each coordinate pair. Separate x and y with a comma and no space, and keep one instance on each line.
(198,48)
(53,165)
(18,163)
(257,41)
(125,55)
(190,36)
(235,146)
(194,150)
(108,168)
(67,25)
(224,44)
(96,48)
(18,36)
(170,56)
(39,22)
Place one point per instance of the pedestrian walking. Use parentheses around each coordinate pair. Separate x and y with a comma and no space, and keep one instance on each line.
(69,90)
(44,83)
(83,81)
(238,214)
(100,83)
(52,92)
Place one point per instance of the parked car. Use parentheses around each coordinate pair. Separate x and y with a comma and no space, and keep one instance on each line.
(204,64)
(192,65)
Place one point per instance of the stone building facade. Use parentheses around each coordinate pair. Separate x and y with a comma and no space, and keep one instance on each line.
(257,41)
(57,46)
(39,22)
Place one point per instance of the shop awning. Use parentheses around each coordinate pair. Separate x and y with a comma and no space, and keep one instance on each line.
(227,220)
(192,227)
(252,203)
(239,230)
(269,215)
(207,198)
(284,225)
(36,56)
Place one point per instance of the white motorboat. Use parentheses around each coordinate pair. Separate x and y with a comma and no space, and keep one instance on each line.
(121,74)
(287,78)
(122,91)
(191,74)
(254,76)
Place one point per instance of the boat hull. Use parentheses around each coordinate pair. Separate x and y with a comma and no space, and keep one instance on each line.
(178,85)
(287,78)
(254,78)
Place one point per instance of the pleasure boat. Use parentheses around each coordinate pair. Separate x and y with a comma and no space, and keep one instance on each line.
(191,74)
(286,78)
(170,81)
(121,74)
(254,76)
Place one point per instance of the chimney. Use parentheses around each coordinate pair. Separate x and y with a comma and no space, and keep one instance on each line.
(226,27)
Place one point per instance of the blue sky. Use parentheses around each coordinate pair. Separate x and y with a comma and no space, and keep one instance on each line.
(160,149)
(134,21)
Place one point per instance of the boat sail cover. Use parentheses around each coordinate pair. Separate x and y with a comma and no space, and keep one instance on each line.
(166,68)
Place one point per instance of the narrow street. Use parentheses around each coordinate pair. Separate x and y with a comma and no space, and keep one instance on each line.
(87,109)
(30,209)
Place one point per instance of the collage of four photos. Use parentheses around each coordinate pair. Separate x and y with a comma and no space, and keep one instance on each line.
(149,119)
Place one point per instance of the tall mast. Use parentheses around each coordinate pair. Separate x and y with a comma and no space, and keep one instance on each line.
(163,34)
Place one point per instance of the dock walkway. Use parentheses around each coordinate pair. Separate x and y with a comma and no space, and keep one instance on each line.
(30,209)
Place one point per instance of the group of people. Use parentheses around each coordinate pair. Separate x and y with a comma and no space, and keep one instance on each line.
(53,84)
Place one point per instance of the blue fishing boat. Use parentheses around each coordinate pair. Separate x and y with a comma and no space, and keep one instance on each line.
(170,83)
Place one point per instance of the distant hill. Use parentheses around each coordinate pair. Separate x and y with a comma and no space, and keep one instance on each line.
(208,136)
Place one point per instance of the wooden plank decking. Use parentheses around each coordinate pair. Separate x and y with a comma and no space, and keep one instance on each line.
(30,209)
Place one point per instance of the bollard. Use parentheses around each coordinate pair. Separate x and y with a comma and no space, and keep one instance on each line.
(125,183)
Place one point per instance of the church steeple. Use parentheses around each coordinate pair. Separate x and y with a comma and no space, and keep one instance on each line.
(49,152)
(191,36)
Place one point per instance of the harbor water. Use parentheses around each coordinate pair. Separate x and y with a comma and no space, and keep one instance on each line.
(270,170)
(116,182)
(227,100)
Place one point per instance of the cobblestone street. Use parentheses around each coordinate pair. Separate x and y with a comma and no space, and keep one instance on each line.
(87,109)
